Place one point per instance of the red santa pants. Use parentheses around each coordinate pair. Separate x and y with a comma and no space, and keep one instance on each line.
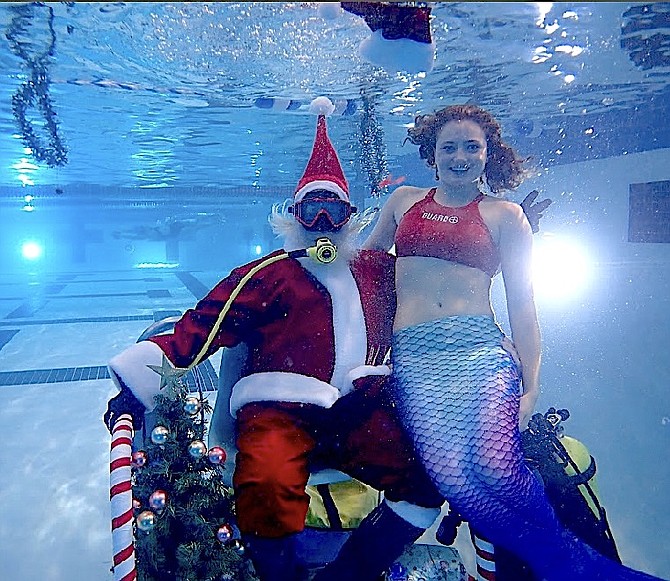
(279,443)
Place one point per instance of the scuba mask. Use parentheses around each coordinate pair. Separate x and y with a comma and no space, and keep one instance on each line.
(322,213)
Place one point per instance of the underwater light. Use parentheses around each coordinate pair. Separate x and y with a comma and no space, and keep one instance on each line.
(31,250)
(561,268)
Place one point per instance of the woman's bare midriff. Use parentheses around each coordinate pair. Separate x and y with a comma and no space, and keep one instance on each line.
(433,288)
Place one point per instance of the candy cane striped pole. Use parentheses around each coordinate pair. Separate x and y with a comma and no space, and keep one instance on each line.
(121,497)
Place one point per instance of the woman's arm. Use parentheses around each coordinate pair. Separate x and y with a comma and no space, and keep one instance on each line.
(383,233)
(516,254)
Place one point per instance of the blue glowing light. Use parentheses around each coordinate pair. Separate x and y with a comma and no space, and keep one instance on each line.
(31,250)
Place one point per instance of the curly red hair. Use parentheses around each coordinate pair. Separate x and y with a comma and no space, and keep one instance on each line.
(504,168)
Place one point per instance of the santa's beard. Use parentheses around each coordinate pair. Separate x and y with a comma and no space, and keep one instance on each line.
(295,236)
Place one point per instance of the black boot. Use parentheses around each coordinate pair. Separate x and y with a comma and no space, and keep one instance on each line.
(372,548)
(275,559)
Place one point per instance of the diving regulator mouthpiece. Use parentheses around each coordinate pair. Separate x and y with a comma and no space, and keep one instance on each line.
(324,251)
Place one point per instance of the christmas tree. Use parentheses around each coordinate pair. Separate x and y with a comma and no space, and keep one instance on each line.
(184,513)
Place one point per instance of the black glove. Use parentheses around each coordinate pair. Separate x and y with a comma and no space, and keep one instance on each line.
(124,403)
(448,529)
(534,210)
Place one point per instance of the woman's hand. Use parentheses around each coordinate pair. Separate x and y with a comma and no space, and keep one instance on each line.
(533,209)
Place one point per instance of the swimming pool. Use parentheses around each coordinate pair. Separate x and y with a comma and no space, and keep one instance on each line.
(185,122)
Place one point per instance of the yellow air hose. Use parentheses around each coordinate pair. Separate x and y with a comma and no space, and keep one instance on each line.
(324,251)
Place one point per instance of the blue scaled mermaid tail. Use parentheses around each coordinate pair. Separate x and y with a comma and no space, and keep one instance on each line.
(457,390)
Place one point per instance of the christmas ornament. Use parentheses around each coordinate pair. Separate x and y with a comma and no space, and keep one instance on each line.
(192,405)
(158,500)
(373,149)
(216,455)
(197,449)
(32,98)
(159,435)
(136,504)
(146,520)
(224,533)
(139,458)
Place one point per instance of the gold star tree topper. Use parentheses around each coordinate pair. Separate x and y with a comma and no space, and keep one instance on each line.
(170,375)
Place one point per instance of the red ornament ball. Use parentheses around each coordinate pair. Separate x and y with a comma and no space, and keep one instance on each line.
(216,455)
(139,458)
(158,500)
(224,533)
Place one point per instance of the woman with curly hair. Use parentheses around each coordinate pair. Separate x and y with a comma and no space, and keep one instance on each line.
(462,388)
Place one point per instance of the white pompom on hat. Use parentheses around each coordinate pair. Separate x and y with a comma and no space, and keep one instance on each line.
(323,171)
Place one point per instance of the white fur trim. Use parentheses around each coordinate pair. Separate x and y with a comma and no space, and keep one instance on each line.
(282,386)
(131,367)
(366,371)
(320,185)
(348,321)
(402,54)
(419,516)
(321,106)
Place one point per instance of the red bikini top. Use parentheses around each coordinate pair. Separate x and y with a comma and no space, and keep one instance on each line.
(454,234)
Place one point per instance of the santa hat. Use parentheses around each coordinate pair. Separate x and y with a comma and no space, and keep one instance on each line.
(323,171)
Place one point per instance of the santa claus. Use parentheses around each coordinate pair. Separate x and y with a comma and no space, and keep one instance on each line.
(315,322)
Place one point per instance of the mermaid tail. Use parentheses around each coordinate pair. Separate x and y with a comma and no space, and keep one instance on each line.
(457,391)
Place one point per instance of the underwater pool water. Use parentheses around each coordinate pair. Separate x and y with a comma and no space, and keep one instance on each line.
(183,123)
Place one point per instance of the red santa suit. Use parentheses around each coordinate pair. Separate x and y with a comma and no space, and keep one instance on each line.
(313,389)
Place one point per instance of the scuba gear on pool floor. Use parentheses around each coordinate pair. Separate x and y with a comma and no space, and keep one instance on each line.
(567,471)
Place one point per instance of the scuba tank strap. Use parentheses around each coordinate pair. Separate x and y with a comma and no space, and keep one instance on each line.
(330,506)
(582,477)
